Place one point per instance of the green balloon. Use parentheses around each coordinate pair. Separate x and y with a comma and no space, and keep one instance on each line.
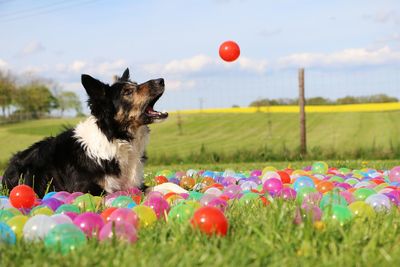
(303,192)
(121,201)
(181,213)
(336,179)
(319,167)
(249,197)
(65,238)
(193,195)
(344,170)
(332,199)
(363,193)
(338,213)
(5,215)
(85,202)
(67,207)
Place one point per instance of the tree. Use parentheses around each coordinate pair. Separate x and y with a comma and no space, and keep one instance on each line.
(35,98)
(69,100)
(7,91)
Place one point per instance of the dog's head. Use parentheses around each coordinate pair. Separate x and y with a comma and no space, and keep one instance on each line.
(124,106)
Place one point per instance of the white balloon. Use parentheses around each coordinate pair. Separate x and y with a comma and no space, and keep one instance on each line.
(37,227)
(61,218)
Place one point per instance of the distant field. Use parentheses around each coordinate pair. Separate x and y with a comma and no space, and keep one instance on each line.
(227,133)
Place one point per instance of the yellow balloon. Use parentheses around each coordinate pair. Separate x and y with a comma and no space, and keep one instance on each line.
(17,224)
(41,210)
(269,169)
(361,209)
(146,215)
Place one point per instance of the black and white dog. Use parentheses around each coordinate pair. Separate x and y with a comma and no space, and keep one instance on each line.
(106,152)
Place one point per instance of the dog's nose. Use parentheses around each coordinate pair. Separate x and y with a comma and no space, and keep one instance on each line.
(159,81)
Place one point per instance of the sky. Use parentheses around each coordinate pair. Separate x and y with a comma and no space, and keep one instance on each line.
(346,47)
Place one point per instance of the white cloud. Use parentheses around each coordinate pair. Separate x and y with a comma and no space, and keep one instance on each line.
(383,16)
(200,63)
(176,85)
(32,48)
(77,66)
(3,64)
(253,65)
(347,57)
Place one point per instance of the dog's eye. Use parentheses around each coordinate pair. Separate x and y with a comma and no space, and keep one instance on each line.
(127,92)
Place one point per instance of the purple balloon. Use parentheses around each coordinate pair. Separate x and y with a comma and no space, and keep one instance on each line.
(310,212)
(227,181)
(71,198)
(174,180)
(90,223)
(121,231)
(392,197)
(52,203)
(255,179)
(62,195)
(256,173)
(287,193)
(218,203)
(232,191)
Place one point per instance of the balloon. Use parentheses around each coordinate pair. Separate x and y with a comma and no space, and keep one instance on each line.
(61,218)
(287,193)
(158,204)
(273,186)
(90,223)
(332,199)
(125,215)
(121,201)
(338,213)
(181,213)
(106,213)
(379,202)
(146,215)
(363,193)
(41,210)
(52,203)
(360,209)
(121,231)
(187,182)
(65,238)
(319,167)
(229,51)
(37,227)
(210,221)
(7,235)
(22,196)
(394,174)
(67,207)
(17,225)
(5,215)
(303,181)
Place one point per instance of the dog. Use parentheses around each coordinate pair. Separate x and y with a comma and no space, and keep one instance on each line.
(104,153)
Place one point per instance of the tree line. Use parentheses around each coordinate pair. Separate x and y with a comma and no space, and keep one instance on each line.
(378,98)
(34,98)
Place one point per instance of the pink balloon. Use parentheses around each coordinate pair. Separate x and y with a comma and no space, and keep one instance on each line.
(287,193)
(394,174)
(118,230)
(158,204)
(273,185)
(90,223)
(124,215)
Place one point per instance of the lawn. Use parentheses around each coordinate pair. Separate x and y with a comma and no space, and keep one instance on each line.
(258,236)
(248,137)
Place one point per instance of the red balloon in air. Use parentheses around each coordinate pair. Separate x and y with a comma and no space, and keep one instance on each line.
(22,196)
(229,51)
(210,220)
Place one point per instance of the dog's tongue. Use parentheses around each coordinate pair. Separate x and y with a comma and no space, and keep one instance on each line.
(150,111)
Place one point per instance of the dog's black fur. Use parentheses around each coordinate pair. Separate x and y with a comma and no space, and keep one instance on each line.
(63,162)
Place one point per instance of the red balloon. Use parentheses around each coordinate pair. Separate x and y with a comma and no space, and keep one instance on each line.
(22,196)
(229,51)
(161,179)
(285,177)
(106,213)
(210,220)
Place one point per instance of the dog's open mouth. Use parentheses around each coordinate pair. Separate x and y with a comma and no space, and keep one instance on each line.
(154,114)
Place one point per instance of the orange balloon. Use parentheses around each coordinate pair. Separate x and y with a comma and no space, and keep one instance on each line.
(324,186)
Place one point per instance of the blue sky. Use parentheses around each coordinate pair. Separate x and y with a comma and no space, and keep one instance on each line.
(347,47)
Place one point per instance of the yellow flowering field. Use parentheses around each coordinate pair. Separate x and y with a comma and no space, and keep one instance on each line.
(312,109)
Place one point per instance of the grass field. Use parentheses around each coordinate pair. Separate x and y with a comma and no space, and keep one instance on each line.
(257,236)
(237,137)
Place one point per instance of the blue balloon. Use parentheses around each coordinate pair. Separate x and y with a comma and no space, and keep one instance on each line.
(303,181)
(131,205)
(49,195)
(7,236)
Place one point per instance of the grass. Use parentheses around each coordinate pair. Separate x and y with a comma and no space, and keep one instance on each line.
(244,137)
(257,236)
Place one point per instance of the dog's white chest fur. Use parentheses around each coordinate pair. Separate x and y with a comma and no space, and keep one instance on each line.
(127,154)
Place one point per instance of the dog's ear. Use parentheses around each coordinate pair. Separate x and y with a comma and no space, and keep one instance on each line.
(125,75)
(94,87)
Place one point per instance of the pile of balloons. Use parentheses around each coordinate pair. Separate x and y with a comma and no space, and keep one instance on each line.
(65,221)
